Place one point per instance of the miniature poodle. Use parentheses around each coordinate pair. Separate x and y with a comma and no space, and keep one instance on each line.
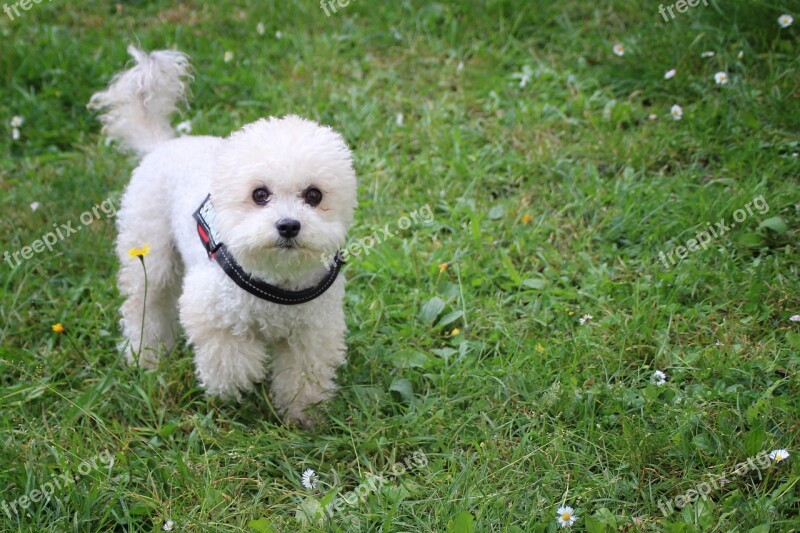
(236,227)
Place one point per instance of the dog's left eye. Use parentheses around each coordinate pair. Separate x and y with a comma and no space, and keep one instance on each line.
(312,196)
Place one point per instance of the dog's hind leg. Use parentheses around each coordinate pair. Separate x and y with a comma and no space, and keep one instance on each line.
(149,325)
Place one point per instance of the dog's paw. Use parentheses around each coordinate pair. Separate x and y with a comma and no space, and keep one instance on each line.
(302,418)
(145,359)
(303,422)
(223,393)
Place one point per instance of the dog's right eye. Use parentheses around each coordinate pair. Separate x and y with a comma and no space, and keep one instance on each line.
(261,196)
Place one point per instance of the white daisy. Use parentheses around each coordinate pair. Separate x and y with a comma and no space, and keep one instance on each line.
(708,53)
(35,206)
(670,74)
(658,378)
(585,319)
(677,112)
(15,134)
(228,57)
(652,116)
(278,34)
(168,525)
(260,29)
(17,121)
(524,76)
(309,479)
(619,50)
(779,455)
(794,318)
(566,516)
(399,119)
(184,128)
(785,20)
(721,78)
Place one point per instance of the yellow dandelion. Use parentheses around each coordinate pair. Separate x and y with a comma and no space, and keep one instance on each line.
(539,348)
(133,253)
(443,267)
(455,332)
(526,218)
(59,328)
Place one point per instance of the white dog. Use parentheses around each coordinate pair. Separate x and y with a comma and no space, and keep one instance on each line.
(242,274)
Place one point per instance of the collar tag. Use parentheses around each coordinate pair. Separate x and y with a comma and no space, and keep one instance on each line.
(206,219)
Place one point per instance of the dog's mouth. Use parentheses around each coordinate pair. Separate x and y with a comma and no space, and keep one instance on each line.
(288,244)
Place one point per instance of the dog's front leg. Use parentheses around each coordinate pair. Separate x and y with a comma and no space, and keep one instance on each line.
(230,357)
(304,368)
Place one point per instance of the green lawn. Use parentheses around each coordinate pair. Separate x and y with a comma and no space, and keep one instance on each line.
(556,176)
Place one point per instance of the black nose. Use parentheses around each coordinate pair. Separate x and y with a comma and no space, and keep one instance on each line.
(288,227)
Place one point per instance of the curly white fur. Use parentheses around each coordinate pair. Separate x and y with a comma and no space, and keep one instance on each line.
(238,339)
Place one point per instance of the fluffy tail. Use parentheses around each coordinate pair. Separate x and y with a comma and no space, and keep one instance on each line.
(137,105)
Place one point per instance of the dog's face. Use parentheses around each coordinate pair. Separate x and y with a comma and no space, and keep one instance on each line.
(284,193)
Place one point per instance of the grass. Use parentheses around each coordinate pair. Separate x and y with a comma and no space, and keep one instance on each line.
(551,200)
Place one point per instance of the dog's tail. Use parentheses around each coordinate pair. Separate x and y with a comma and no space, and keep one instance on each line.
(137,105)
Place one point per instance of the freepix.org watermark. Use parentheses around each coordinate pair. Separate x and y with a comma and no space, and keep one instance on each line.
(704,237)
(25,5)
(365,245)
(331,4)
(703,490)
(314,513)
(62,231)
(373,483)
(681,6)
(60,482)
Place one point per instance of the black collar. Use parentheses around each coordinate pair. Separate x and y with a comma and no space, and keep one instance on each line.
(206,217)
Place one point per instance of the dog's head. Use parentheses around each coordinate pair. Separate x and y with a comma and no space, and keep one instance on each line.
(284,193)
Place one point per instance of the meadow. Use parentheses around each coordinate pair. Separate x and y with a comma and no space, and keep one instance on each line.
(570,328)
